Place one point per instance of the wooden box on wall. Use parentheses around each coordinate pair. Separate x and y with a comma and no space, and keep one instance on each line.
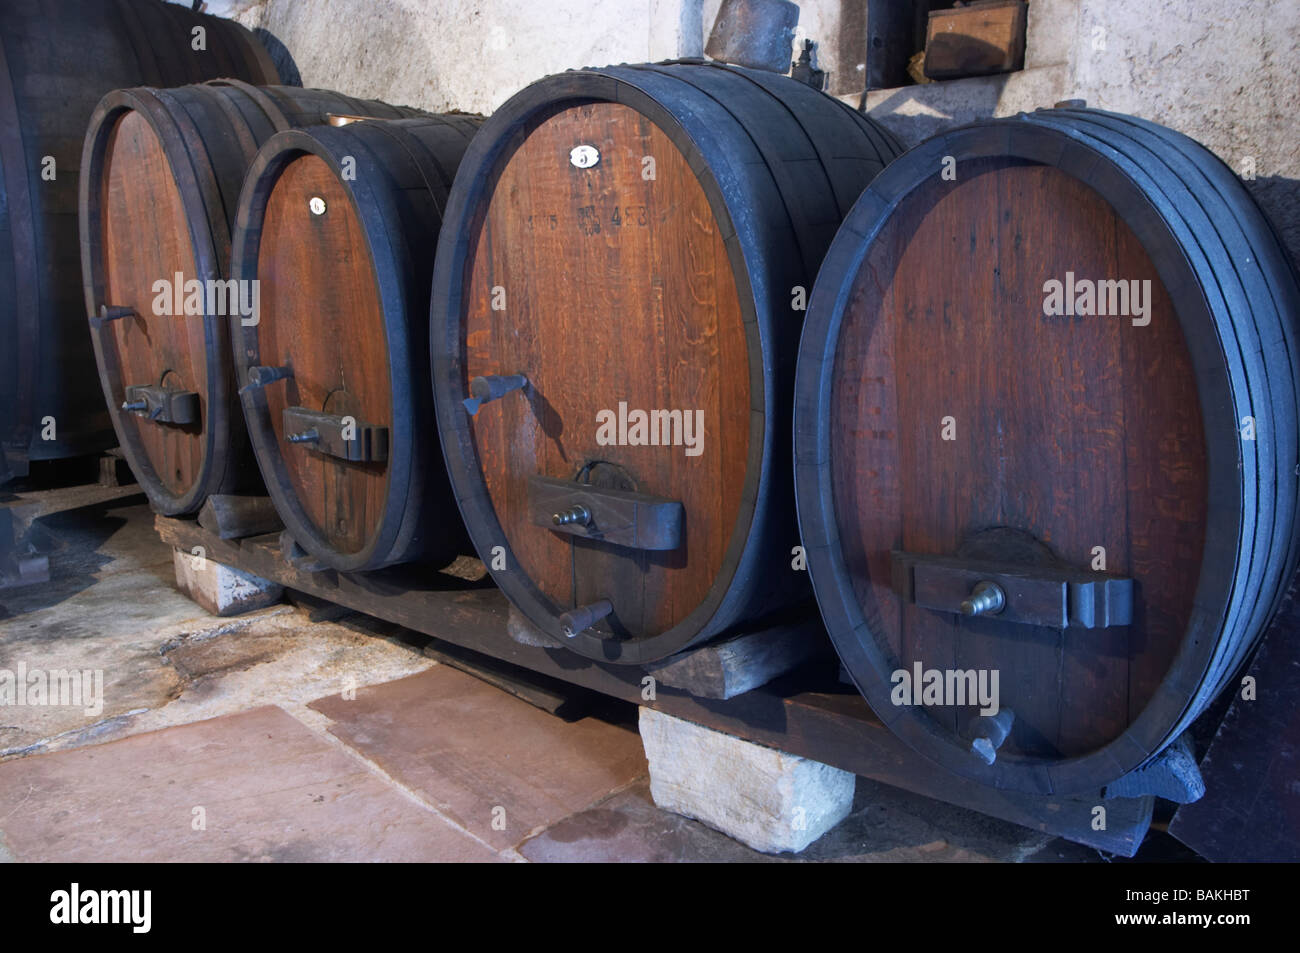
(976,40)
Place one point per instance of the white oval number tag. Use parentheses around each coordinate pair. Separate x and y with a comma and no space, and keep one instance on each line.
(584,157)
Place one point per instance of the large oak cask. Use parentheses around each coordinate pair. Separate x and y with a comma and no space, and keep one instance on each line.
(1046,429)
(163,171)
(617,300)
(57,59)
(339,226)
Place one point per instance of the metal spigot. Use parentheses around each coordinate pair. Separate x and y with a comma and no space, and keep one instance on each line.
(987,598)
(574,514)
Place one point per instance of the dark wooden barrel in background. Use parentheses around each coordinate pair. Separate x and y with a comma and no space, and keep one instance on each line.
(339,225)
(163,172)
(635,236)
(57,59)
(950,433)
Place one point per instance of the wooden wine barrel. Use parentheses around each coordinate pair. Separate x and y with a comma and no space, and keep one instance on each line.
(57,59)
(629,241)
(163,172)
(339,225)
(1005,465)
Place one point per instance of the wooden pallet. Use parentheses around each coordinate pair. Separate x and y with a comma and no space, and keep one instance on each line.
(807,712)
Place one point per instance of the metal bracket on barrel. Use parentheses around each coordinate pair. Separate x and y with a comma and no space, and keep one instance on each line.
(337,436)
(1054,596)
(618,517)
(260,376)
(161,405)
(581,618)
(109,313)
(484,390)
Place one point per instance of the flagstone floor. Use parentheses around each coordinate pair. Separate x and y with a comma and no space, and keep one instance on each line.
(273,737)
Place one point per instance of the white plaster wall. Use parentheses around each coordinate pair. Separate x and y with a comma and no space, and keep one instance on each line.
(1225,72)
(474,54)
(467,54)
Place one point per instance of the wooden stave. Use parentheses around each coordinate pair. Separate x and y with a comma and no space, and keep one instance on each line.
(401,236)
(1179,699)
(44,329)
(1268,384)
(752,234)
(211,133)
(1246,235)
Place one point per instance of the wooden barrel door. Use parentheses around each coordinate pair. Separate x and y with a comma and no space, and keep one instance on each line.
(1046,434)
(613,328)
(163,173)
(338,226)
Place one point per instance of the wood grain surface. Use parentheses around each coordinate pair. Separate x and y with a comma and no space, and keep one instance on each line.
(146,238)
(1083,431)
(617,288)
(322,316)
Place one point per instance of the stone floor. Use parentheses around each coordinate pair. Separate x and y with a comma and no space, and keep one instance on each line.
(274,737)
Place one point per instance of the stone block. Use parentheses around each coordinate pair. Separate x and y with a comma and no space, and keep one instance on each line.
(768,799)
(222,590)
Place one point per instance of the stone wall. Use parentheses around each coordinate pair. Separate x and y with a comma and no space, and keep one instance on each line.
(1225,72)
